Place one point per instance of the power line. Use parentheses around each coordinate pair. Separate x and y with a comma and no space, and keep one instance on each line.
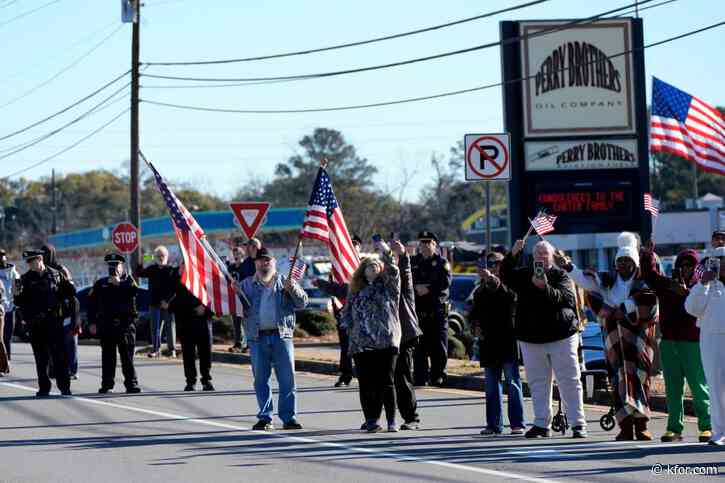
(25,14)
(246,84)
(63,70)
(352,44)
(412,99)
(61,128)
(399,63)
(66,109)
(9,3)
(88,136)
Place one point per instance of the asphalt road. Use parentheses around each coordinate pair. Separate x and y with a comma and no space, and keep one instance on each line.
(165,434)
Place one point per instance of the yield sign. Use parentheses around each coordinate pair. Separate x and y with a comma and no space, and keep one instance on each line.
(250,215)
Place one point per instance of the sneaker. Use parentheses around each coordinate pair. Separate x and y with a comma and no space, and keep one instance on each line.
(705,436)
(373,428)
(207,386)
(236,349)
(489,432)
(292,424)
(537,432)
(42,394)
(517,431)
(719,442)
(245,349)
(133,390)
(263,425)
(152,354)
(364,426)
(392,428)
(173,354)
(411,426)
(74,377)
(66,393)
(343,381)
(643,436)
(190,387)
(438,382)
(672,437)
(579,432)
(105,389)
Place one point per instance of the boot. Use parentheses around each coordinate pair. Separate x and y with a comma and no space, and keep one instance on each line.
(640,430)
(626,432)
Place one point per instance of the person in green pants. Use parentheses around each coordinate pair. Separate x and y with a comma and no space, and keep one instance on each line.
(680,347)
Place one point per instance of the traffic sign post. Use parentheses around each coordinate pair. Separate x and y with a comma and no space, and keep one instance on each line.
(125,237)
(250,215)
(488,159)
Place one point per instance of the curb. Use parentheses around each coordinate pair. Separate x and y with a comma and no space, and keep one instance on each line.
(470,383)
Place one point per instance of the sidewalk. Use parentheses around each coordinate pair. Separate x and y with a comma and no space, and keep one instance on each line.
(322,356)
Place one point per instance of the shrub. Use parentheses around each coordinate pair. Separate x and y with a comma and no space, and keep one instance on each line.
(300,333)
(316,323)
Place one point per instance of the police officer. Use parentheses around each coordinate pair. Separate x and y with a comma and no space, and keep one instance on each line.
(44,297)
(193,319)
(431,282)
(112,314)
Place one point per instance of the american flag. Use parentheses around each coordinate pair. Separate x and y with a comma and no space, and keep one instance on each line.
(651,205)
(685,126)
(543,224)
(204,273)
(324,222)
(298,269)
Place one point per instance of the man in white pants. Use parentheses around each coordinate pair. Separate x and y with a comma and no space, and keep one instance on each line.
(546,327)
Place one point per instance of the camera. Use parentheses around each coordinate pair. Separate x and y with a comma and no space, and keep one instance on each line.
(539,271)
(112,270)
(713,265)
(377,238)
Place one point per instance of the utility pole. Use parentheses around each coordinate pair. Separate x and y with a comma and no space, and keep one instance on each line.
(54,226)
(135,210)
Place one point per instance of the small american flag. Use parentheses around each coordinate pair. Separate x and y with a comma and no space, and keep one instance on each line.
(298,269)
(204,273)
(651,205)
(699,271)
(685,126)
(324,222)
(543,224)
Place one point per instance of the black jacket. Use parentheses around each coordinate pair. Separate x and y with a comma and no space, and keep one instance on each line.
(183,305)
(46,295)
(111,304)
(162,281)
(434,272)
(494,312)
(542,315)
(408,317)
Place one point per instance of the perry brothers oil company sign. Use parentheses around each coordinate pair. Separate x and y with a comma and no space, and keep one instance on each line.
(582,154)
(578,83)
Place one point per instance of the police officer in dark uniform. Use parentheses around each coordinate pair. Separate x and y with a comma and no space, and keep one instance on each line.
(193,319)
(431,281)
(112,313)
(44,297)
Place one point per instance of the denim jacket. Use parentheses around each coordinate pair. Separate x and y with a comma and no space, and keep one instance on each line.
(286,305)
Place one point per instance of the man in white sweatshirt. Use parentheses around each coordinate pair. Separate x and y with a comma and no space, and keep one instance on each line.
(707,302)
(8,276)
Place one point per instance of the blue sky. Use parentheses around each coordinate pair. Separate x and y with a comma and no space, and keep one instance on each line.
(221,152)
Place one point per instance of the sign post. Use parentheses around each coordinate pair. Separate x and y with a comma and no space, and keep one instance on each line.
(488,159)
(250,215)
(125,237)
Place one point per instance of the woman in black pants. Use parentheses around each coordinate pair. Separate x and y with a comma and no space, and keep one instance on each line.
(372,321)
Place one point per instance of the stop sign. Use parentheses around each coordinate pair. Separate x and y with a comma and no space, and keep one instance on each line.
(125,237)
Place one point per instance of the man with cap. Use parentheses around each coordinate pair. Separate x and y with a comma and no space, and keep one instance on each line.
(339,291)
(431,282)
(112,314)
(718,239)
(239,270)
(43,299)
(8,278)
(270,325)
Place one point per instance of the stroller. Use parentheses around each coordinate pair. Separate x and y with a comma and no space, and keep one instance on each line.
(594,372)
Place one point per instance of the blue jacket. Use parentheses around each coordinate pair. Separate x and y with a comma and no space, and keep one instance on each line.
(286,305)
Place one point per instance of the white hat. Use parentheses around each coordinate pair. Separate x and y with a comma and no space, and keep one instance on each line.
(628,247)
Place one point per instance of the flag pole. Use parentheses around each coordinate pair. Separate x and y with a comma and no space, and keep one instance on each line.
(293,260)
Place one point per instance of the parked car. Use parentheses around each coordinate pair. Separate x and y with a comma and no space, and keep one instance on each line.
(462,286)
(143,331)
(318,301)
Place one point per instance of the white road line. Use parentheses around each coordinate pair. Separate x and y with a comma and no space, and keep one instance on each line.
(357,449)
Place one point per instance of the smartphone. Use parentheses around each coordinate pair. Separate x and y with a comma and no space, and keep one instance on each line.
(713,265)
(677,274)
(539,269)
(377,238)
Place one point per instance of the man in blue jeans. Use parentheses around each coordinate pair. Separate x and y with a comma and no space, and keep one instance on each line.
(492,316)
(269,325)
(162,284)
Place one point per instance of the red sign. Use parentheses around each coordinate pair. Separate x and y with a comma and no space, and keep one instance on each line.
(125,237)
(250,215)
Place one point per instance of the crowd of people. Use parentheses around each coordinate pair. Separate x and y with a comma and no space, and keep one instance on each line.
(393,326)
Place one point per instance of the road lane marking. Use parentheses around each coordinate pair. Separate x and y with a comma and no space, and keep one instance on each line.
(299,439)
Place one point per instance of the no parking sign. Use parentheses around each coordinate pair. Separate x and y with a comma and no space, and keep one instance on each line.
(488,157)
